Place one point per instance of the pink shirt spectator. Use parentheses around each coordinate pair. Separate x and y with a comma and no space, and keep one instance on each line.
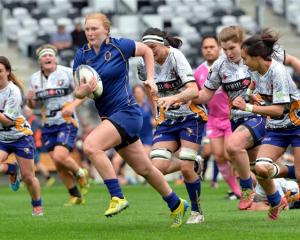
(218,107)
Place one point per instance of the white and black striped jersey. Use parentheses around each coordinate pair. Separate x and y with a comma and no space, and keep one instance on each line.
(54,93)
(277,87)
(11,107)
(171,77)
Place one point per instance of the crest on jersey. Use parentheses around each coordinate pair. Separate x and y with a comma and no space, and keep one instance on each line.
(107,56)
(61,134)
(60,82)
(26,150)
(189,131)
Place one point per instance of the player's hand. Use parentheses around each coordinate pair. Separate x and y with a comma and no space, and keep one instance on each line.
(151,86)
(166,102)
(31,95)
(239,103)
(68,110)
(84,89)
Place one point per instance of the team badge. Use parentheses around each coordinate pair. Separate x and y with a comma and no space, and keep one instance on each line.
(60,82)
(107,56)
(189,131)
(61,134)
(26,150)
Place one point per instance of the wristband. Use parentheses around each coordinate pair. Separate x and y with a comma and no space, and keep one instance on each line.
(249,91)
(249,107)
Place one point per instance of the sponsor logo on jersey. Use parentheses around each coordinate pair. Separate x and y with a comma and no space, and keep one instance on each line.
(237,85)
(49,93)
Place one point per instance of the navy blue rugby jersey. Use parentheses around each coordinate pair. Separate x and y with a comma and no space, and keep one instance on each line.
(111,63)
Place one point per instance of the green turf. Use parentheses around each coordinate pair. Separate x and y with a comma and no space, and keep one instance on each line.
(147,217)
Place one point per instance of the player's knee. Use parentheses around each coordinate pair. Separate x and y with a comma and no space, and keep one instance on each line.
(59,158)
(89,149)
(188,156)
(28,178)
(232,149)
(143,171)
(266,168)
(161,153)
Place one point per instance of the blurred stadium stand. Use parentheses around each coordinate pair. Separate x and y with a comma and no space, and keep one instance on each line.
(30,22)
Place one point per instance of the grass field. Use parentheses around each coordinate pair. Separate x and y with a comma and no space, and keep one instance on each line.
(147,217)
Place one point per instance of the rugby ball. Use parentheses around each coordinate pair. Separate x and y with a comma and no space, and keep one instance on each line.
(86,73)
(141,70)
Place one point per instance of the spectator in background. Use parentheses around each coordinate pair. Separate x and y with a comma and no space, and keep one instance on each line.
(78,36)
(61,39)
(37,136)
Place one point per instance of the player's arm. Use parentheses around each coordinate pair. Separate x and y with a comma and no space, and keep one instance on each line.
(204,96)
(190,92)
(5,121)
(142,50)
(31,102)
(292,62)
(274,111)
(70,108)
(10,111)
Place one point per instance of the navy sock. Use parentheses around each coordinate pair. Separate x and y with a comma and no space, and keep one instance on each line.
(114,188)
(172,200)
(36,203)
(216,171)
(74,191)
(11,168)
(274,199)
(194,190)
(246,183)
(291,172)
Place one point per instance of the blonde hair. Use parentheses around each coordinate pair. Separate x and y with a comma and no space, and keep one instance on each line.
(102,18)
(235,34)
(11,77)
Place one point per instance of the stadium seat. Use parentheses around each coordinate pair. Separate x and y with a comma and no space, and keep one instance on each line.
(229,20)
(44,5)
(248,23)
(20,13)
(129,25)
(31,24)
(10,27)
(47,25)
(37,13)
(28,4)
(67,22)
(57,12)
(153,20)
(87,10)
(25,37)
(166,12)
(183,11)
